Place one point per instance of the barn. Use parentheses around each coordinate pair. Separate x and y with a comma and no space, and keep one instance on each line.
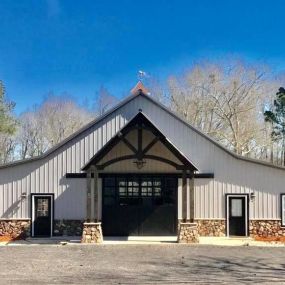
(141,170)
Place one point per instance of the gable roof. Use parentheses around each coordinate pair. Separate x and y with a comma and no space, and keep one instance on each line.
(140,92)
(142,119)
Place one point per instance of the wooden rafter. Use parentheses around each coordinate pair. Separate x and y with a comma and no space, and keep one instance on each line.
(129,145)
(150,145)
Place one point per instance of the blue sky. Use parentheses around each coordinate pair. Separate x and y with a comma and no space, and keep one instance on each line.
(75,46)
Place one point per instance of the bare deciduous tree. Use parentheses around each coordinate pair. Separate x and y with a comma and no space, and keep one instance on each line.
(226,102)
(104,101)
(48,124)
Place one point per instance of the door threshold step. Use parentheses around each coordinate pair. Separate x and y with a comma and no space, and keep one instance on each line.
(154,239)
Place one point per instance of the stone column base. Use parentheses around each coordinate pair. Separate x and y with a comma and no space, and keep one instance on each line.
(188,233)
(92,233)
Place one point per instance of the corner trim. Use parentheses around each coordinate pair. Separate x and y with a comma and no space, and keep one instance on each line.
(281,209)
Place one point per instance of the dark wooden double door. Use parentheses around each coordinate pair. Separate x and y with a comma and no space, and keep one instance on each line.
(139,205)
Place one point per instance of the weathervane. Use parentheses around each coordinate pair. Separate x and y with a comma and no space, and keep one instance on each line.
(141,75)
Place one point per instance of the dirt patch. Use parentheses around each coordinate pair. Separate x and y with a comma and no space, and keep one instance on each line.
(8,238)
(270,239)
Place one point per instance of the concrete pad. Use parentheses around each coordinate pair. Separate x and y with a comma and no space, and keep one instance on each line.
(45,241)
(226,241)
(140,240)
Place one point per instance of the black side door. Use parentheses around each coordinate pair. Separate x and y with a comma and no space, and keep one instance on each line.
(237,217)
(42,216)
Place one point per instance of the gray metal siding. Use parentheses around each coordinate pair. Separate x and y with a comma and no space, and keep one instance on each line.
(232,175)
(47,175)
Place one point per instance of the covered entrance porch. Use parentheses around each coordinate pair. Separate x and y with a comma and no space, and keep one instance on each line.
(139,168)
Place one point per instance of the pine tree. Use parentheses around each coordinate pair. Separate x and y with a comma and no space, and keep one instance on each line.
(276,117)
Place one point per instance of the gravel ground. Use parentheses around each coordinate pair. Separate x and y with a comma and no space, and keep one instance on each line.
(141,264)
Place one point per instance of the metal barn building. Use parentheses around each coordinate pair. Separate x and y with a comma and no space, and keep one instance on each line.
(141,170)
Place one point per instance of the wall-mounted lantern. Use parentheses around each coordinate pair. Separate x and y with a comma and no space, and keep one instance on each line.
(252,196)
(24,195)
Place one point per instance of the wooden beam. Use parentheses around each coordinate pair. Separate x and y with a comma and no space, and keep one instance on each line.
(139,152)
(184,195)
(147,156)
(192,201)
(96,194)
(88,196)
(150,145)
(129,145)
(92,196)
(196,175)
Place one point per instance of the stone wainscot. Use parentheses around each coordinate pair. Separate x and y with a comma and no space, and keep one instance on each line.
(266,228)
(68,227)
(15,229)
(211,228)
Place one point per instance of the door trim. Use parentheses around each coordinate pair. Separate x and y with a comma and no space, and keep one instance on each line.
(33,195)
(246,196)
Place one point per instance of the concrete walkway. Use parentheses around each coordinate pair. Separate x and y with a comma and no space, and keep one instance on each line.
(225,241)
(215,241)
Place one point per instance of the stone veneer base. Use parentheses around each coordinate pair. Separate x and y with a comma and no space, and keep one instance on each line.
(211,228)
(188,233)
(15,229)
(92,233)
(20,228)
(68,227)
(266,228)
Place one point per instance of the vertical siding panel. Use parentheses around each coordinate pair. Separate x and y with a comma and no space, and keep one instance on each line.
(28,206)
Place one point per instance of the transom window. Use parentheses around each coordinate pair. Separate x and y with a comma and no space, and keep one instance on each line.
(128,188)
(139,189)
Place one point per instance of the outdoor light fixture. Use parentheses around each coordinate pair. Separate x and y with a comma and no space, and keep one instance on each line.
(140,163)
(252,196)
(24,195)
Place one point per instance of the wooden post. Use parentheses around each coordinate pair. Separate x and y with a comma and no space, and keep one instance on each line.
(88,196)
(184,195)
(92,195)
(192,202)
(96,194)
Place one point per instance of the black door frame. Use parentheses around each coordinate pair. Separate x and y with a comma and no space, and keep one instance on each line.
(33,195)
(242,195)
